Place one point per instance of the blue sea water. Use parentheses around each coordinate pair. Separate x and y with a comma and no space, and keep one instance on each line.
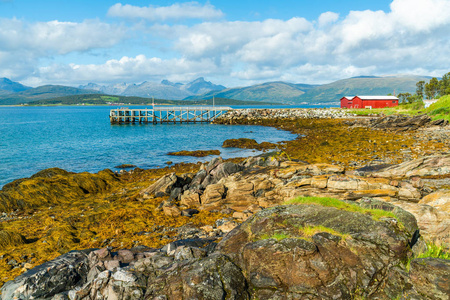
(81,138)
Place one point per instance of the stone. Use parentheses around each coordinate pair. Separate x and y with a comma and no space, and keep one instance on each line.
(163,185)
(433,223)
(431,277)
(189,212)
(50,278)
(327,265)
(439,199)
(426,166)
(172,211)
(213,195)
(214,277)
(191,199)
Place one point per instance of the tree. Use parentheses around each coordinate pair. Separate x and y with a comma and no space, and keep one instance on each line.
(444,85)
(405,98)
(432,88)
(419,91)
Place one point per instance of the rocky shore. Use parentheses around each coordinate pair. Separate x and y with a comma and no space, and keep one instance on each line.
(257,228)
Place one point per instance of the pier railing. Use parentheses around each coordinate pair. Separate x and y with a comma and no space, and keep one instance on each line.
(160,115)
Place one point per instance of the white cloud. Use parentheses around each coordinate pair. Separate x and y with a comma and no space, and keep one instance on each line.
(177,11)
(129,69)
(327,18)
(24,44)
(58,37)
(411,38)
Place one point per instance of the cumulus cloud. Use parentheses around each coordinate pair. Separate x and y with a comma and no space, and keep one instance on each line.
(328,18)
(129,69)
(58,37)
(24,44)
(177,11)
(413,37)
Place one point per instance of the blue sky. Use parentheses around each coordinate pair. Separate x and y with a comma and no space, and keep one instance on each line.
(234,43)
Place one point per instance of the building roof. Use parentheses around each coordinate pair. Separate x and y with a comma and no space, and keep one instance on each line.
(348,97)
(377,97)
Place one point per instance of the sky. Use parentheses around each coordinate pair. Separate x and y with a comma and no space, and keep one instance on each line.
(233,42)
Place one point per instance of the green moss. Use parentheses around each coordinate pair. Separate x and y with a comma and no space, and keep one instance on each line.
(309,231)
(376,214)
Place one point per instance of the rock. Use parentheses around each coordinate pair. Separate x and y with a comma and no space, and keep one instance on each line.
(401,122)
(125,166)
(50,278)
(439,199)
(191,199)
(172,211)
(189,212)
(119,284)
(431,277)
(224,170)
(426,166)
(212,196)
(163,186)
(279,259)
(433,223)
(214,277)
(196,153)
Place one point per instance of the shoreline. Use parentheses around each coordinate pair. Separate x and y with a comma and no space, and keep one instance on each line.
(330,145)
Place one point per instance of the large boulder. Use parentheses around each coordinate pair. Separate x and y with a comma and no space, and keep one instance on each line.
(316,252)
(434,223)
(214,277)
(53,277)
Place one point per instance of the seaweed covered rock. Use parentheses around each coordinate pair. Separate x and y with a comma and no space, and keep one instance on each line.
(53,186)
(316,252)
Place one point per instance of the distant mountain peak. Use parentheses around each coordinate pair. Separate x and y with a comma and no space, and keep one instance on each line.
(8,85)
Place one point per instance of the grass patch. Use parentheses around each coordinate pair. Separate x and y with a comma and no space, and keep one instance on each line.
(435,251)
(376,214)
(440,109)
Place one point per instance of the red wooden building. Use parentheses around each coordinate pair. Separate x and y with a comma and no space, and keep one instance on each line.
(369,101)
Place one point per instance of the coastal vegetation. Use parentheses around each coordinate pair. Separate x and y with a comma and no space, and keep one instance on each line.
(196,153)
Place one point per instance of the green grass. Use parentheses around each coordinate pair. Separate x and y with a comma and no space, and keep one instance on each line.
(436,251)
(406,109)
(376,214)
(440,109)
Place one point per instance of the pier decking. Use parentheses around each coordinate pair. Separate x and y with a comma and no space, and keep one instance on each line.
(160,115)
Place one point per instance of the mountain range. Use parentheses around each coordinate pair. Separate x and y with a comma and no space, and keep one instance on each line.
(163,90)
(274,92)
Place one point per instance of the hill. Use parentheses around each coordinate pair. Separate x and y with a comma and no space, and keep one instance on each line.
(281,92)
(42,92)
(102,99)
(288,93)
(8,86)
(363,85)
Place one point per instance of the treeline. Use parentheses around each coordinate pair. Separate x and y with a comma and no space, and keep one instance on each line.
(434,89)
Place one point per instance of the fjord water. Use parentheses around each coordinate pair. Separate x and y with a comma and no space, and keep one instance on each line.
(81,138)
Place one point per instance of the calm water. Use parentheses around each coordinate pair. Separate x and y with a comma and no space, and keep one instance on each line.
(81,138)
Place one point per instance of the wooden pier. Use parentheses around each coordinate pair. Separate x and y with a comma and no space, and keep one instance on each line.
(161,115)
